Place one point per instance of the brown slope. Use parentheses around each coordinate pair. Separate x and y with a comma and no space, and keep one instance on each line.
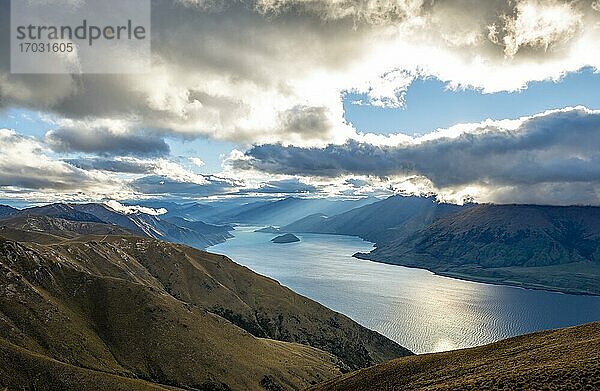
(142,308)
(565,359)
(20,366)
(28,227)
(131,327)
(255,303)
(259,304)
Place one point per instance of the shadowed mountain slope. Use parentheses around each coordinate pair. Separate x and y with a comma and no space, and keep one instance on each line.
(565,359)
(378,221)
(7,211)
(125,312)
(62,211)
(538,246)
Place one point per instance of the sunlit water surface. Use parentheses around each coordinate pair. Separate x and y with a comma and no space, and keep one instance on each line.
(414,307)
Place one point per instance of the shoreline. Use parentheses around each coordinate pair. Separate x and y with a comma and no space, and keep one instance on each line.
(459,276)
(483,280)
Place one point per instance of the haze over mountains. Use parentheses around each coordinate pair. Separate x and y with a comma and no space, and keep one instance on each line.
(378,221)
(276,212)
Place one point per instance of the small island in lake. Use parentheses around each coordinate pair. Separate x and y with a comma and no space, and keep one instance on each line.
(287,238)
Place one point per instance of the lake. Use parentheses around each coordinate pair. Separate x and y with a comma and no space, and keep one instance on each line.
(416,308)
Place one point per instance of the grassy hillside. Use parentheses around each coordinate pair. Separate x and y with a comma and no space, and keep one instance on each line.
(565,359)
(536,246)
(103,308)
(59,227)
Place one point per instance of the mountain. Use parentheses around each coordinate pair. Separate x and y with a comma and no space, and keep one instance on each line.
(276,212)
(62,211)
(551,247)
(288,210)
(178,230)
(125,312)
(141,224)
(45,230)
(376,222)
(196,234)
(190,211)
(212,234)
(7,211)
(565,359)
(548,247)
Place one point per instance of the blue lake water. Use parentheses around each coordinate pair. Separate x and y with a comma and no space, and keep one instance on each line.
(414,307)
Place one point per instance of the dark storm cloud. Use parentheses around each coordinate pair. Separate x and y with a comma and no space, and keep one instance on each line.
(129,166)
(553,148)
(103,141)
(163,186)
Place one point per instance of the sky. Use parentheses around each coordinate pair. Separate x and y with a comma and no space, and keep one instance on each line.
(492,101)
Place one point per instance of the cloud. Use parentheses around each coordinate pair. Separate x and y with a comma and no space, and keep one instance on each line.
(539,24)
(118,165)
(283,186)
(197,161)
(30,170)
(24,164)
(494,160)
(163,186)
(306,122)
(267,71)
(133,209)
(104,141)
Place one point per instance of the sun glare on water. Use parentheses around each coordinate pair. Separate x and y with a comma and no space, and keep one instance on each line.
(443,345)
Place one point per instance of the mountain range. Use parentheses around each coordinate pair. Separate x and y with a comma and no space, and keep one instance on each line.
(547,247)
(177,230)
(92,310)
(258,211)
(377,221)
(93,298)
